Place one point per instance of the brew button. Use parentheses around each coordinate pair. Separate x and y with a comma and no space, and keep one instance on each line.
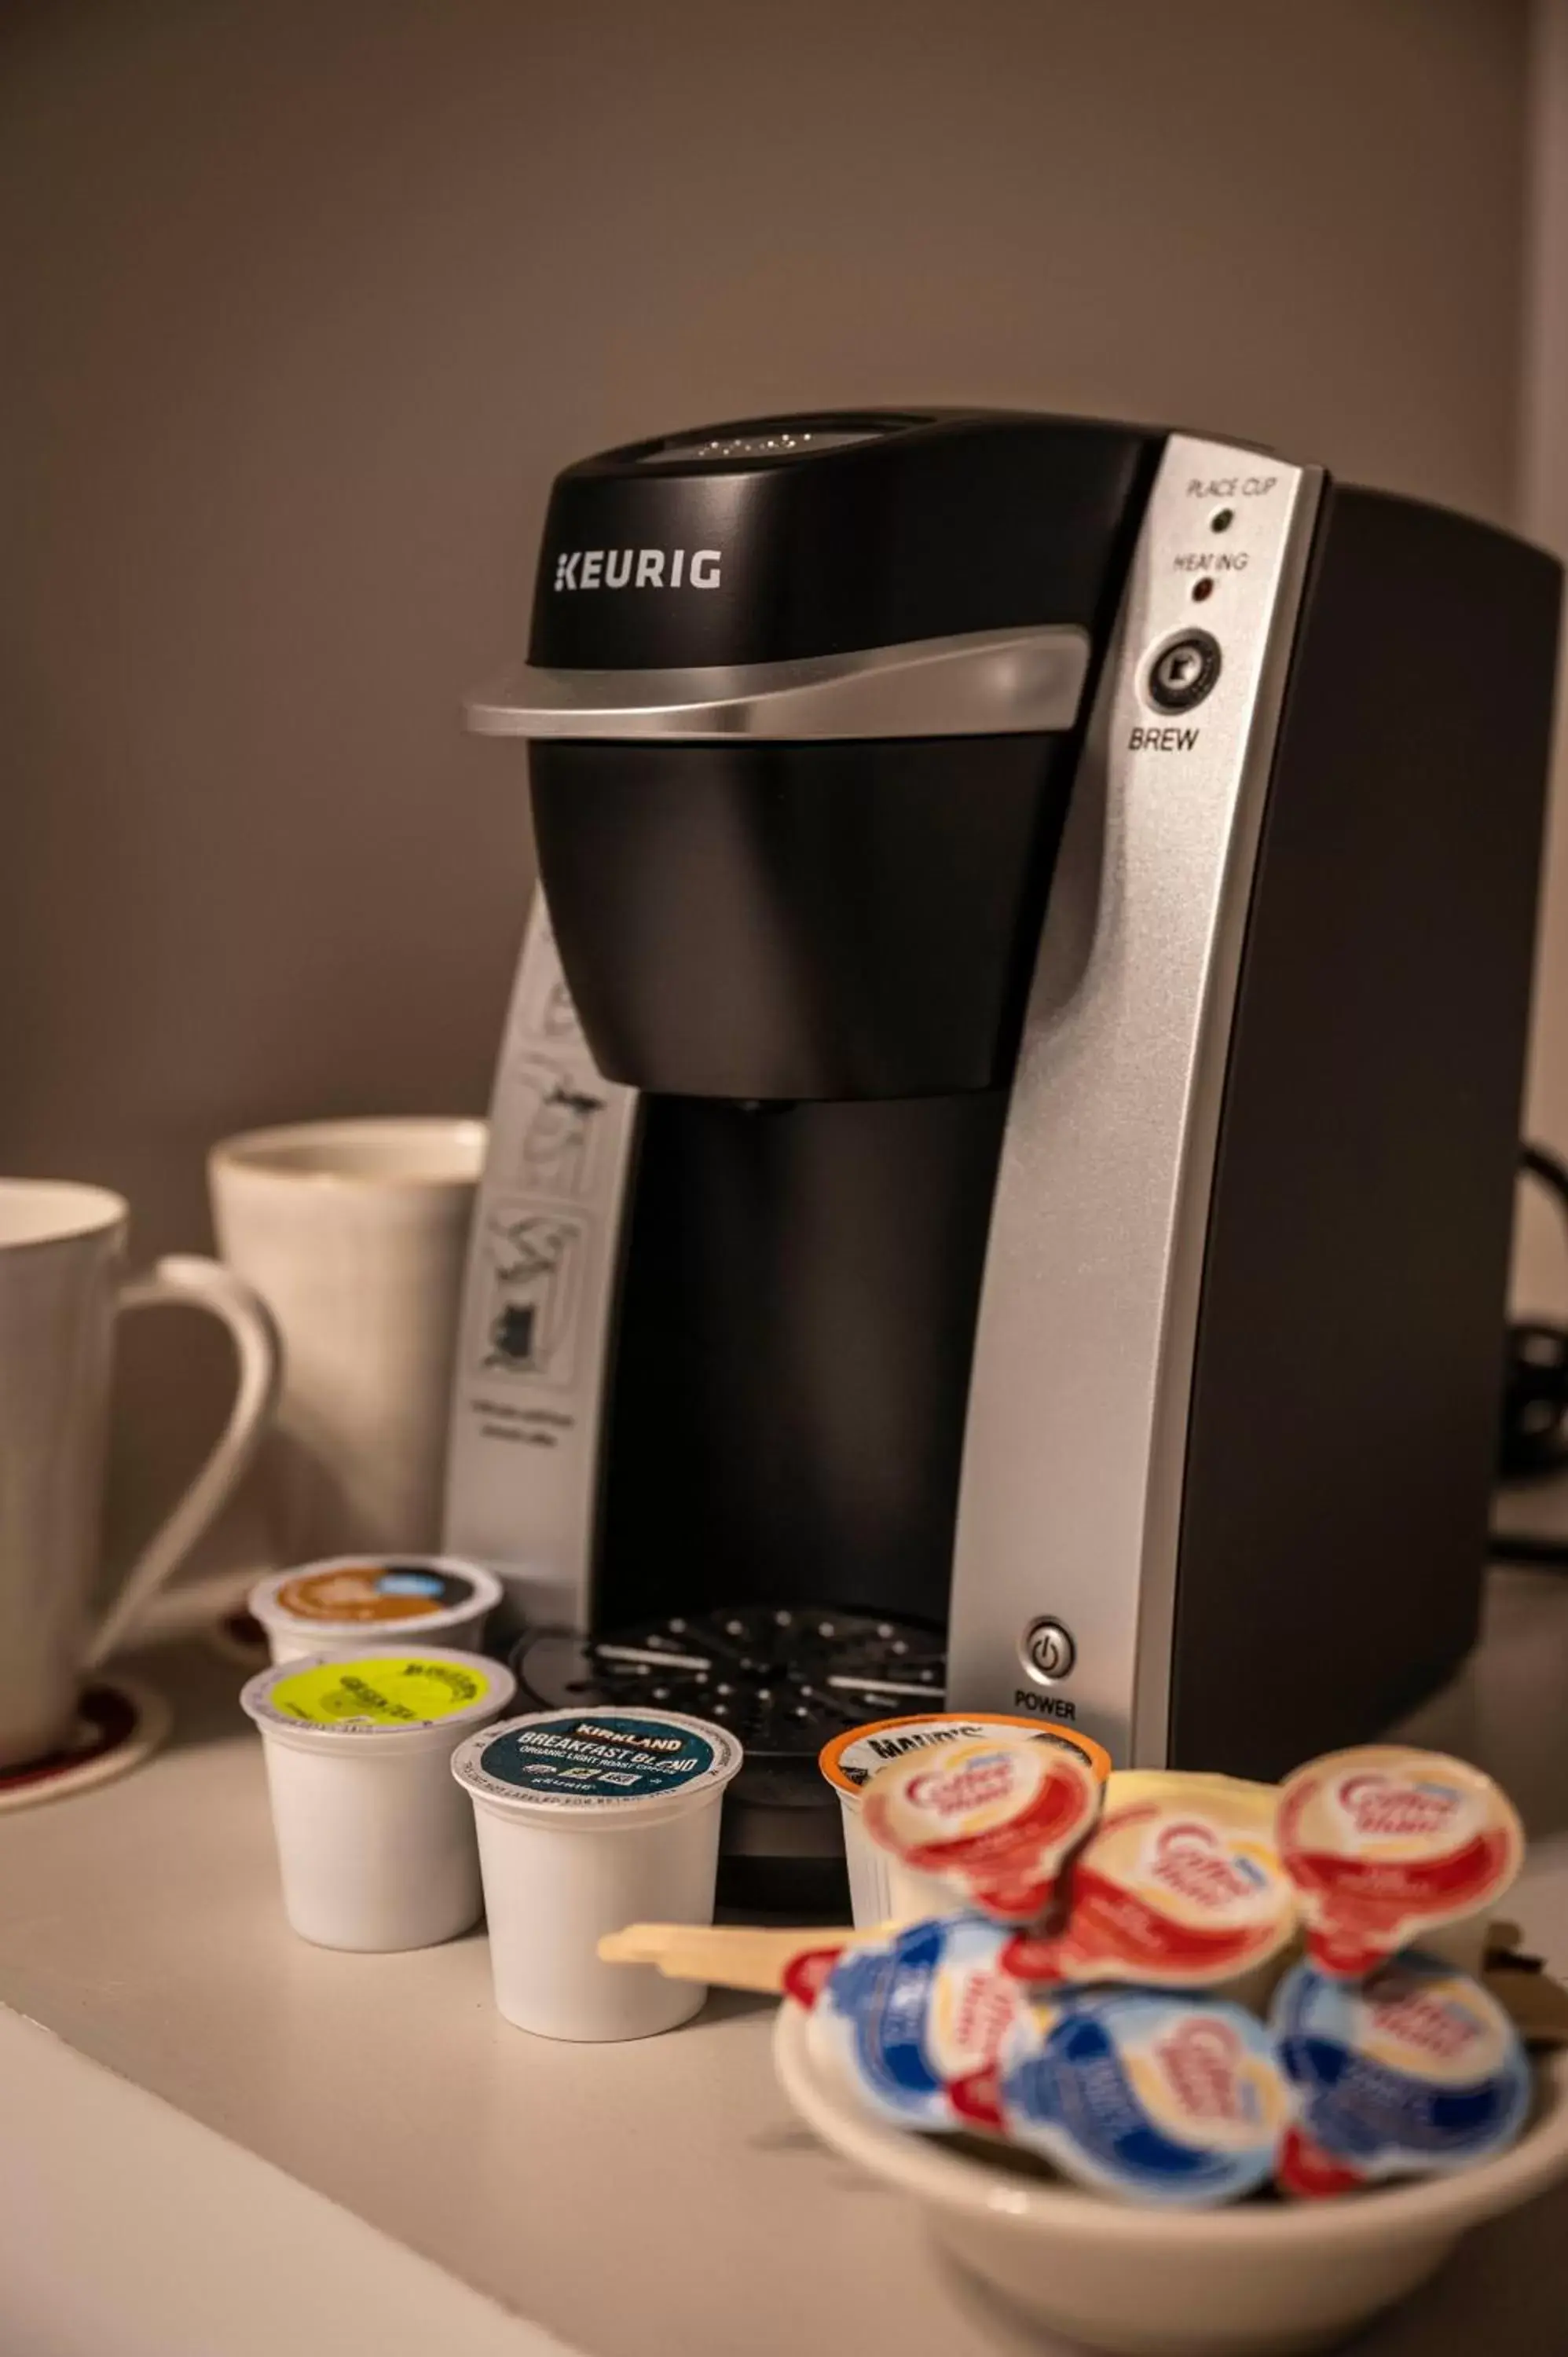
(1183,673)
(1048,1650)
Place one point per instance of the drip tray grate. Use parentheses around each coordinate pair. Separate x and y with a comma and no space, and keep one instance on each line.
(785,1679)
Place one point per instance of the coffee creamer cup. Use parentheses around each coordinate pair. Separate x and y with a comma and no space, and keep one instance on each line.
(902,2019)
(1178,1886)
(1413,2072)
(992,1817)
(1146,2095)
(1385,1844)
(881,1889)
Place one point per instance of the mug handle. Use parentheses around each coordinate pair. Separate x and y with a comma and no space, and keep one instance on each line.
(198,1284)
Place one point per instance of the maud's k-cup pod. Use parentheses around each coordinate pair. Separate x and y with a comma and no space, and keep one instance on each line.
(1144,2095)
(1179,1886)
(355,1603)
(903,2018)
(588,1821)
(375,1845)
(1415,2071)
(881,1888)
(1386,1846)
(990,1817)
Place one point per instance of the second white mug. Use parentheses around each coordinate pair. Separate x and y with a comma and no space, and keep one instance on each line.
(354,1233)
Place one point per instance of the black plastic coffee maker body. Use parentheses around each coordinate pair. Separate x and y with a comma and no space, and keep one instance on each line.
(1001,1160)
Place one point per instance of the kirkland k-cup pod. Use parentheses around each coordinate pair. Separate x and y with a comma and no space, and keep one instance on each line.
(993,1818)
(1387,1844)
(589,1820)
(358,1603)
(882,1888)
(375,1846)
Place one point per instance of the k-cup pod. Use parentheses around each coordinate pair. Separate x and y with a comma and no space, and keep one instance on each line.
(1144,2095)
(375,1847)
(588,1821)
(882,1888)
(1179,1886)
(1415,2071)
(903,2018)
(356,1603)
(992,1818)
(1388,1847)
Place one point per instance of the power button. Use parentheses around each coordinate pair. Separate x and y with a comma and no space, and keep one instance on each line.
(1047,1650)
(1182,672)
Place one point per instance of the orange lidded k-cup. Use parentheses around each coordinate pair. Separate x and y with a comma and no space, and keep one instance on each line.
(1388,1847)
(882,1888)
(992,1818)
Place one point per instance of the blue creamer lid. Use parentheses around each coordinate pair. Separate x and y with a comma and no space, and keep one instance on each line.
(597,1761)
(1413,2071)
(1149,2095)
(904,2017)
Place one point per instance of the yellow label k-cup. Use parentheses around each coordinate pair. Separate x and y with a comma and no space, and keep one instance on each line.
(375,1844)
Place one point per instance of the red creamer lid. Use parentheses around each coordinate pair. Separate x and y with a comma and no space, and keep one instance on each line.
(994,1815)
(1385,1844)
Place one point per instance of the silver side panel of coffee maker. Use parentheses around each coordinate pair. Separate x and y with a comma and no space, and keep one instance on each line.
(1064,1565)
(522,1463)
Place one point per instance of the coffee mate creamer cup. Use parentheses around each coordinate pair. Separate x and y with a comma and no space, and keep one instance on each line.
(994,1817)
(1415,2072)
(1150,2095)
(1179,1886)
(1386,1845)
(902,2019)
(882,1889)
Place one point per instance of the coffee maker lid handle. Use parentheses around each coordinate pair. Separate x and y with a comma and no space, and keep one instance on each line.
(983,683)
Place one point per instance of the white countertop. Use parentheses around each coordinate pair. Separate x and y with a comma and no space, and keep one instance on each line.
(231,2135)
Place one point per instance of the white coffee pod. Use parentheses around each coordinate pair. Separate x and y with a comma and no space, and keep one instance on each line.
(375,1847)
(361,1603)
(589,1820)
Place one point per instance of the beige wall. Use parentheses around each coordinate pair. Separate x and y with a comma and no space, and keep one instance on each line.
(312,298)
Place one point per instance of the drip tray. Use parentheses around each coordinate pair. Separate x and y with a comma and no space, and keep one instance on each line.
(784,1679)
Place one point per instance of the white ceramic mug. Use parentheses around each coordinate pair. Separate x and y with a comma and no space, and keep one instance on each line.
(62,1249)
(354,1233)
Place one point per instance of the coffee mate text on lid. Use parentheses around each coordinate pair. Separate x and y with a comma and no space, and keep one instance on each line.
(1179,1886)
(1144,2095)
(1415,2071)
(1385,1844)
(881,1888)
(991,1816)
(903,2018)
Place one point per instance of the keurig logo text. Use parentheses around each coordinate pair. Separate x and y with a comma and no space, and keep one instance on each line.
(637,568)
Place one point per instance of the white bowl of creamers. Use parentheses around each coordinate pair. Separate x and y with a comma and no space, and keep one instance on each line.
(1259,2279)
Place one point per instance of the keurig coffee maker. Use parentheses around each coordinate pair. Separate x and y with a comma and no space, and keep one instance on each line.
(1001,1160)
